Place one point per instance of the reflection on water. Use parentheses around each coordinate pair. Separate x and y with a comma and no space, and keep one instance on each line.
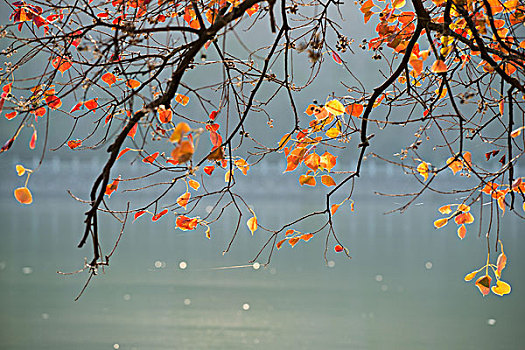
(402,289)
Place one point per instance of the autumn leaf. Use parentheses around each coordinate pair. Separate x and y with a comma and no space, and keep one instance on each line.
(183,200)
(338,248)
(53,102)
(334,208)
(165,117)
(112,187)
(183,152)
(138,214)
(109,78)
(501,288)
(327,180)
(335,107)
(151,158)
(439,67)
(209,169)
(332,133)
(121,153)
(23,195)
(76,107)
(293,241)
(280,243)
(462,231)
(182,99)
(307,180)
(306,237)
(159,215)
(252,224)
(327,161)
(20,170)
(445,209)
(354,109)
(422,169)
(132,83)
(194,184)
(11,115)
(242,165)
(465,218)
(185,223)
(337,58)
(483,284)
(74,143)
(312,161)
(470,276)
(181,129)
(440,223)
(91,104)
(501,263)
(32,142)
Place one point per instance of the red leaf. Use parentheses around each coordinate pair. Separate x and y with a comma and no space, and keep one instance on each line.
(11,115)
(74,143)
(77,107)
(209,169)
(7,145)
(123,152)
(213,115)
(32,143)
(151,158)
(336,58)
(158,216)
(109,78)
(133,131)
(91,104)
(138,214)
(53,102)
(338,248)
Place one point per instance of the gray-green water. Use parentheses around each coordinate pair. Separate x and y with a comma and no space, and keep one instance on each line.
(402,289)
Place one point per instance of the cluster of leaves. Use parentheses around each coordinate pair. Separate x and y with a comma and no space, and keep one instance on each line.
(121,65)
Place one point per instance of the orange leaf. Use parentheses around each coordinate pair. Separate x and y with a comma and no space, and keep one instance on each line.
(289,232)
(53,102)
(151,158)
(312,161)
(159,215)
(133,131)
(252,10)
(252,224)
(209,169)
(354,109)
(91,104)
(454,165)
(182,99)
(76,107)
(327,180)
(445,209)
(181,129)
(307,180)
(517,132)
(138,214)
(440,223)
(183,200)
(501,204)
(334,208)
(242,165)
(439,67)
(462,231)
(293,241)
(165,116)
(470,276)
(74,143)
(109,78)
(338,248)
(112,187)
(483,284)
(465,218)
(327,161)
(280,243)
(185,223)
(23,195)
(306,237)
(183,152)
(194,184)
(132,83)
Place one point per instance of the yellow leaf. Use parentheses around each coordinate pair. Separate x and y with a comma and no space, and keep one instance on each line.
(242,165)
(470,276)
(440,222)
(20,170)
(501,288)
(422,169)
(397,4)
(332,133)
(228,175)
(252,224)
(335,107)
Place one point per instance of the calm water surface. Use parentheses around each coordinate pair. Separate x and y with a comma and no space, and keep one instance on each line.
(402,289)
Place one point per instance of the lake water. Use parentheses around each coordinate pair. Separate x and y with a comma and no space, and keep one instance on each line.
(402,289)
